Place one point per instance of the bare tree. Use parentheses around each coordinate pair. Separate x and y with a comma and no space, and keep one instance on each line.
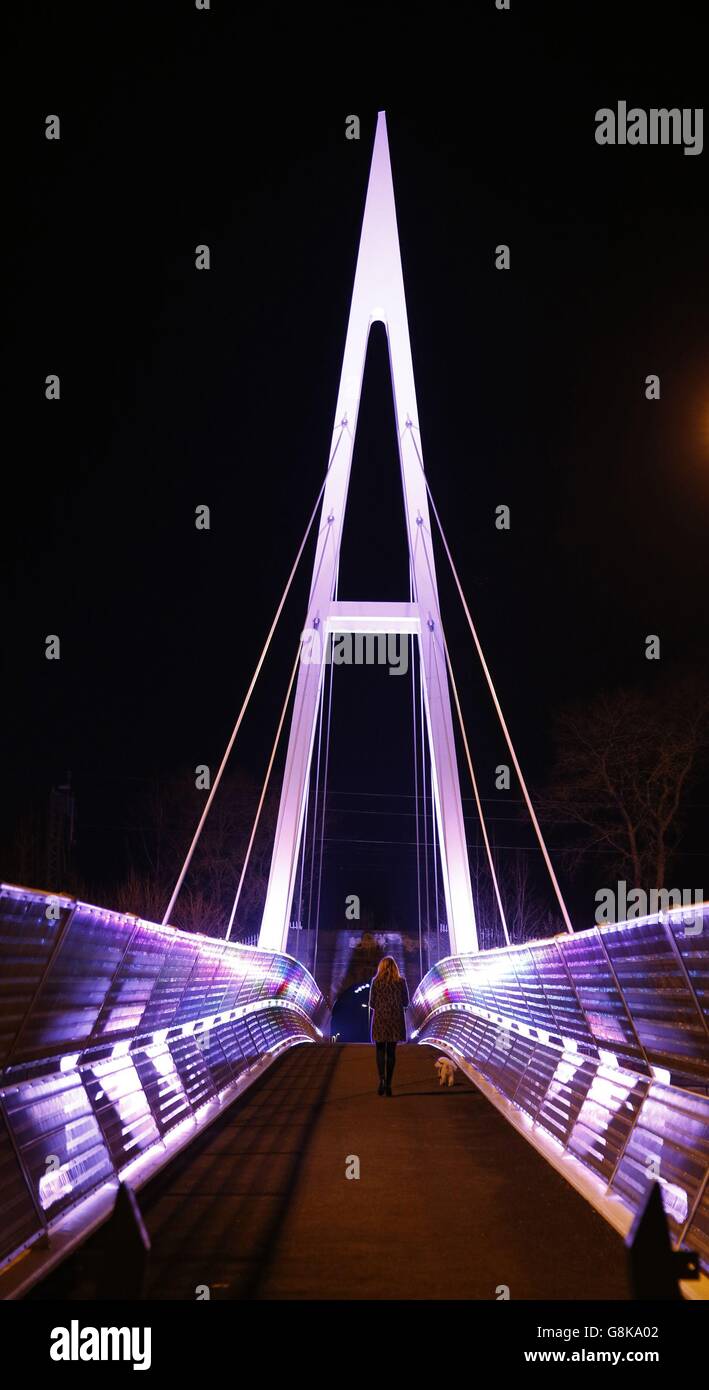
(624,764)
(170,813)
(24,855)
(140,893)
(24,858)
(528,909)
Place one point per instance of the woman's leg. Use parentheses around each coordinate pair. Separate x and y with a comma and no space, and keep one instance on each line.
(381,1059)
(390,1061)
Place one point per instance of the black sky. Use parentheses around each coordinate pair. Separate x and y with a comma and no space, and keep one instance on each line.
(179,387)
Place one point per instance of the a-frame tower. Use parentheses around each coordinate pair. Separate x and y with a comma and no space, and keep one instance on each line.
(378,296)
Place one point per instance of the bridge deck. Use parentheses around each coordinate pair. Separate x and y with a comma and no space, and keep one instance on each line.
(451,1202)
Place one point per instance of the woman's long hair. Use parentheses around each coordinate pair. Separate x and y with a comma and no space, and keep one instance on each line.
(388,970)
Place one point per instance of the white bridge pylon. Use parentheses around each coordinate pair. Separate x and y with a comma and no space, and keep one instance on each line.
(378,296)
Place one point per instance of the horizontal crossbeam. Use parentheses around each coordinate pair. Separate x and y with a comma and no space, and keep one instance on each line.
(363,615)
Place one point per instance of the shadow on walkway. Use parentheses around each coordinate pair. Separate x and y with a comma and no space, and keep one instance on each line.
(450,1201)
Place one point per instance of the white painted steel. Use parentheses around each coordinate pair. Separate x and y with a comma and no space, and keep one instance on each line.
(378,296)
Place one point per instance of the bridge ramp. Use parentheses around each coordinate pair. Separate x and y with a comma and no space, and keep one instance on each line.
(450,1202)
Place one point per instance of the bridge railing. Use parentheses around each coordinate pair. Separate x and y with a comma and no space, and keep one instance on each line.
(114,1033)
(600,1041)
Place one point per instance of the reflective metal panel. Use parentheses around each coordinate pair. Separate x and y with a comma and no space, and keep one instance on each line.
(116,1031)
(18,1214)
(601,1040)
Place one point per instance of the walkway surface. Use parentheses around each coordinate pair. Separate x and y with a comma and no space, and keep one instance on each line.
(450,1201)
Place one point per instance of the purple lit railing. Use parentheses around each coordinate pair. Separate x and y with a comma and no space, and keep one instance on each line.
(600,1042)
(114,1033)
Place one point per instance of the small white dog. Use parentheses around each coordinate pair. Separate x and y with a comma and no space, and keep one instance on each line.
(446,1071)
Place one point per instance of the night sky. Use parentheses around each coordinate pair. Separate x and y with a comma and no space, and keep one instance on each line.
(181,387)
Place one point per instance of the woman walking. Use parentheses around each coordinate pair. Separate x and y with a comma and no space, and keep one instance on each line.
(388,997)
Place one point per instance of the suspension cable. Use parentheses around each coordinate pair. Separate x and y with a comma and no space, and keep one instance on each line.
(324,801)
(242,711)
(435,874)
(416,793)
(477,795)
(306,811)
(315,807)
(264,789)
(423,790)
(496,702)
(473,779)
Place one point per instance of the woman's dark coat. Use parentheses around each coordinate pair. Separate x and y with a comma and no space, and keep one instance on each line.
(388,999)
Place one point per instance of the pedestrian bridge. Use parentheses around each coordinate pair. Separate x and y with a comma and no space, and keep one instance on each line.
(196,1077)
(200,1073)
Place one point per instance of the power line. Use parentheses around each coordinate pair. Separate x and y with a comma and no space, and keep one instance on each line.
(525,849)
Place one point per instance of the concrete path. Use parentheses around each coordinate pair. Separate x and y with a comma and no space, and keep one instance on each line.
(450,1201)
